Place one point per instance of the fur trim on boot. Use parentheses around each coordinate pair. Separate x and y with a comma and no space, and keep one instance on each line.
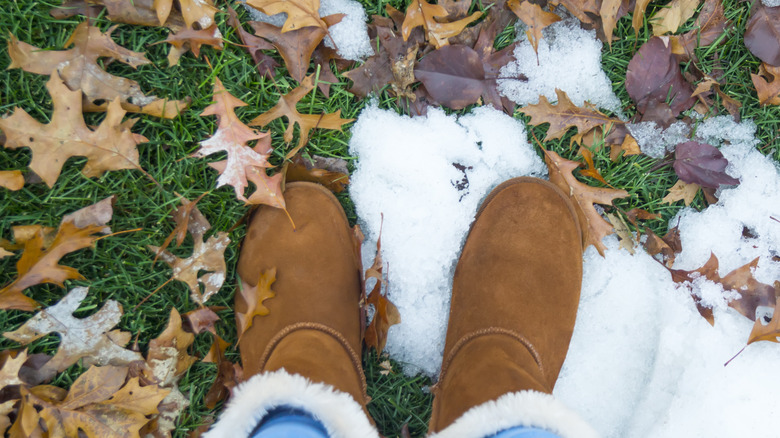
(341,415)
(524,408)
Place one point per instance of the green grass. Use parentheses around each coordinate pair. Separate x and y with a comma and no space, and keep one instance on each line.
(121,268)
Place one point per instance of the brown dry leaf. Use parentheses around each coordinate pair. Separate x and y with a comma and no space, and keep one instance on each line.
(191,39)
(767,332)
(655,245)
(300,169)
(137,12)
(79,69)
(300,13)
(111,146)
(681,190)
(243,161)
(639,15)
(609,16)
(217,350)
(6,409)
(590,169)
(306,122)
(5,253)
(534,17)
(623,232)
(564,115)
(640,214)
(193,11)
(200,320)
(265,64)
(422,13)
(11,179)
(629,146)
(89,339)
(9,373)
(709,26)
(254,297)
(767,83)
(209,257)
(673,15)
(594,227)
(187,218)
(296,47)
(385,312)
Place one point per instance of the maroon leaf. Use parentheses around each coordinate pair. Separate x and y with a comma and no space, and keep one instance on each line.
(254,45)
(453,75)
(654,77)
(762,36)
(702,164)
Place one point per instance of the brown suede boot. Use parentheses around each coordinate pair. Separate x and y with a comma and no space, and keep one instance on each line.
(514,302)
(306,352)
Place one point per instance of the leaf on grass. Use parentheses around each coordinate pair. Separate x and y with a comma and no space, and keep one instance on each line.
(9,372)
(701,164)
(300,13)
(590,169)
(138,12)
(385,313)
(673,15)
(681,191)
(762,35)
(187,218)
(243,161)
(88,339)
(208,257)
(300,169)
(534,17)
(306,122)
(654,78)
(564,115)
(708,27)
(192,11)
(422,13)
(80,70)
(638,17)
(192,40)
(265,64)
(254,297)
(594,227)
(767,83)
(296,47)
(608,12)
(11,179)
(111,146)
(199,320)
(623,232)
(454,76)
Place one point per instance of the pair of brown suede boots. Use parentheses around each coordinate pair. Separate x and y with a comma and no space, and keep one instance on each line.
(514,301)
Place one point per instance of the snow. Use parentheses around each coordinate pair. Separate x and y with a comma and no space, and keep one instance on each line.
(349,36)
(655,141)
(580,75)
(771,3)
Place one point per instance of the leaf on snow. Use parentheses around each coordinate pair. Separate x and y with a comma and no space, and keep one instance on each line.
(300,13)
(243,162)
(422,13)
(111,146)
(79,69)
(564,115)
(385,312)
(769,332)
(594,227)
(88,339)
(306,122)
(701,164)
(534,17)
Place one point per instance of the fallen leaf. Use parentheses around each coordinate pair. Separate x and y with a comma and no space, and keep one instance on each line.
(767,83)
(708,27)
(296,47)
(306,122)
(654,78)
(97,214)
(453,75)
(587,11)
(265,64)
(637,19)
(628,147)
(9,372)
(590,169)
(11,179)
(138,12)
(654,245)
(208,257)
(701,164)
(193,11)
(594,227)
(534,17)
(191,39)
(254,297)
(200,320)
(300,13)
(640,214)
(422,13)
(232,136)
(111,146)
(669,18)
(564,115)
(80,70)
(385,313)
(87,339)
(681,191)
(386,366)
(167,356)
(187,218)
(767,332)
(302,170)
(609,16)
(762,35)
(623,232)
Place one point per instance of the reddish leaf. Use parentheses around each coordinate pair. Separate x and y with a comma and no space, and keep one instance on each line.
(265,64)
(453,76)
(762,36)
(296,47)
(702,164)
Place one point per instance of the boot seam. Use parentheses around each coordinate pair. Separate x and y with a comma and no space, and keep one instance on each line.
(335,334)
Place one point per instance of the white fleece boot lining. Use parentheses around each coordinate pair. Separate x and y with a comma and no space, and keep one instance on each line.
(524,408)
(341,415)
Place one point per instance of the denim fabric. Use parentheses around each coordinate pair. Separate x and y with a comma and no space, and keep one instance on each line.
(524,432)
(287,422)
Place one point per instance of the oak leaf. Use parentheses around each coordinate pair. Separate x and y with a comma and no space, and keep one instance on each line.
(767,332)
(191,40)
(673,15)
(192,11)
(638,16)
(265,64)
(80,70)
(137,12)
(702,164)
(306,122)
(564,115)
(708,27)
(422,13)
(594,227)
(608,12)
(767,83)
(329,172)
(296,47)
(681,191)
(111,146)
(243,161)
(11,179)
(187,218)
(89,339)
(534,17)
(9,372)
(254,297)
(201,319)
(300,13)
(762,36)
(385,312)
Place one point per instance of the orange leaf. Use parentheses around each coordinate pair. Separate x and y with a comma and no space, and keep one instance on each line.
(422,13)
(254,298)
